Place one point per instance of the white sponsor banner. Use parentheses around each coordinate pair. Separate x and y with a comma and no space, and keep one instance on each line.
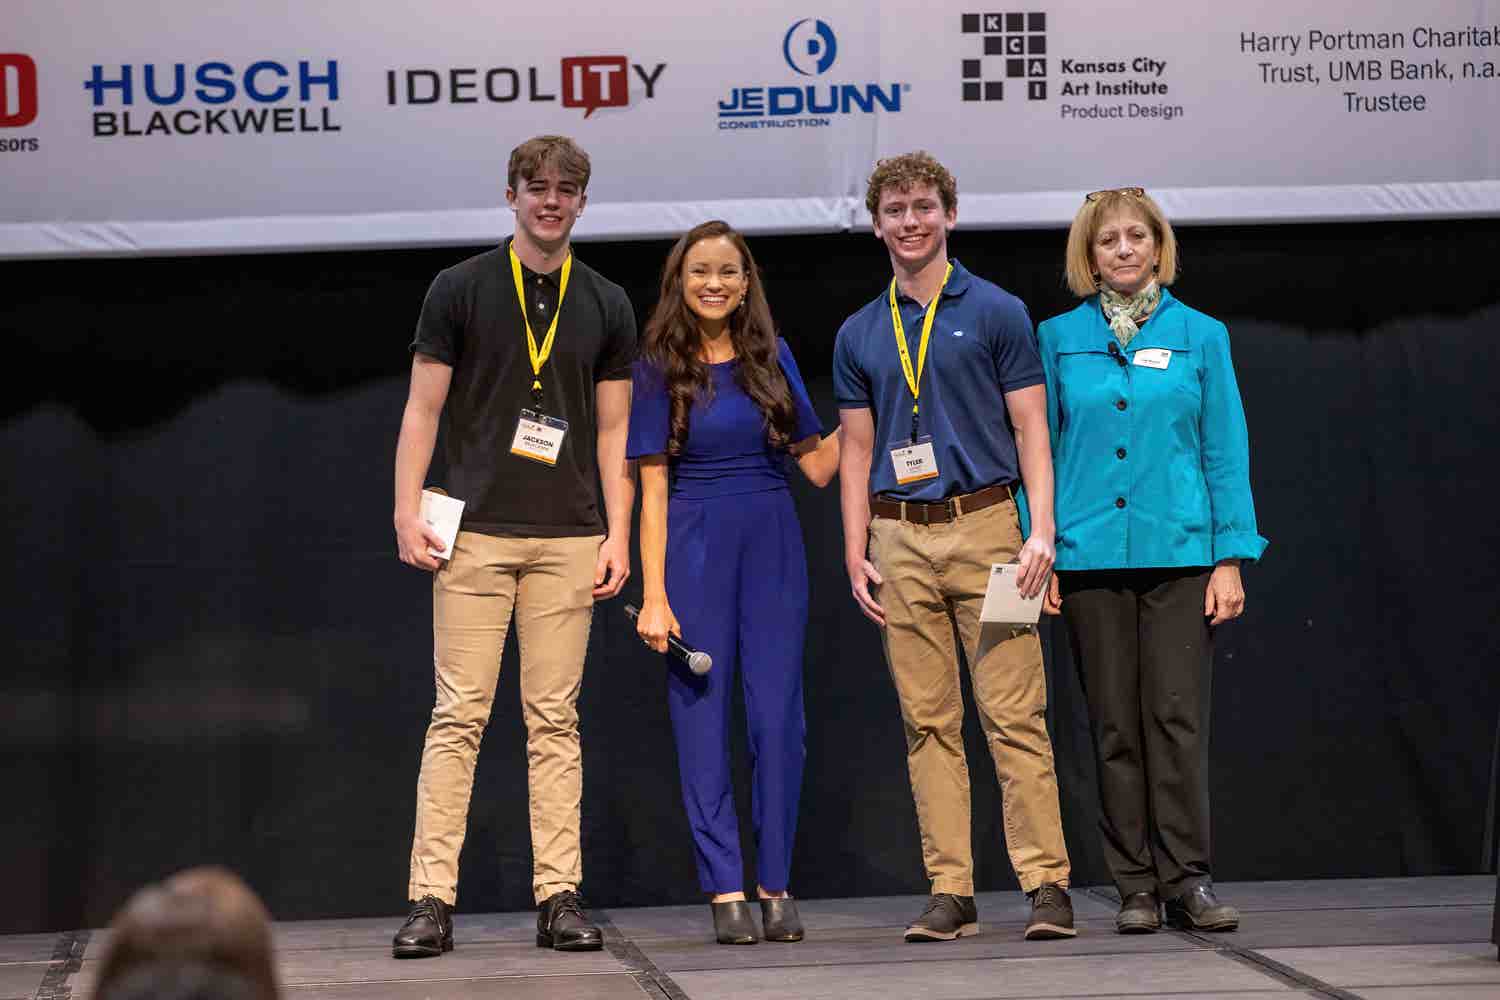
(184,127)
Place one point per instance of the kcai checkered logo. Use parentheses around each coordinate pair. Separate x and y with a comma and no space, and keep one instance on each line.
(1011,50)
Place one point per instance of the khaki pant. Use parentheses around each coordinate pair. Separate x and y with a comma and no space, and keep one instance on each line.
(548,582)
(935,578)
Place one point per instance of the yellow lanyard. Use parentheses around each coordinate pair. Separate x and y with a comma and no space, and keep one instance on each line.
(540,355)
(914,376)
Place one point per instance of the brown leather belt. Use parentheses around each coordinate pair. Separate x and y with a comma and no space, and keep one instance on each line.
(942,511)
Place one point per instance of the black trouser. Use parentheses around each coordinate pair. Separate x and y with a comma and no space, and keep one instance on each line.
(1145,655)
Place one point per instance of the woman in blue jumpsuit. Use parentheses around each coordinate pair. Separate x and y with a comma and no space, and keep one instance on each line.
(718,405)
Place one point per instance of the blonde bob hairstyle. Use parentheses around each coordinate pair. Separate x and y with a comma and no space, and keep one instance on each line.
(1082,278)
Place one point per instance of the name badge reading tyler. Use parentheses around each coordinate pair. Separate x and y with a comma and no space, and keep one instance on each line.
(1153,357)
(539,437)
(914,462)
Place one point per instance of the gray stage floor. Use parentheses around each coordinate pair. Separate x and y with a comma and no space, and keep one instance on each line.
(1385,939)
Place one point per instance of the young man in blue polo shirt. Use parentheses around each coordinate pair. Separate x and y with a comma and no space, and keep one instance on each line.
(943,406)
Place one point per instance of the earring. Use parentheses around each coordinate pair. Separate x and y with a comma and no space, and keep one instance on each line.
(741,304)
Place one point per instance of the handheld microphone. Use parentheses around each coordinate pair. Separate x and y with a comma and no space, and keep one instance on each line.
(697,661)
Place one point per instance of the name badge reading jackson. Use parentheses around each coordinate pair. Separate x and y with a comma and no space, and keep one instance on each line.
(539,437)
(914,461)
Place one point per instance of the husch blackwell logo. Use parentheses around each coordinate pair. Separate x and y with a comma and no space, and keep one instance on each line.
(215,98)
(17,90)
(1009,59)
(809,48)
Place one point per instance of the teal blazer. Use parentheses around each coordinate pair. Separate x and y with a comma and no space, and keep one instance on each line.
(1152,464)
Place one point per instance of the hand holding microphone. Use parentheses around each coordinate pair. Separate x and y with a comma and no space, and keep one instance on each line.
(697,661)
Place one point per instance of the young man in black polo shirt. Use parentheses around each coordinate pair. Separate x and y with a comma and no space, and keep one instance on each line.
(525,353)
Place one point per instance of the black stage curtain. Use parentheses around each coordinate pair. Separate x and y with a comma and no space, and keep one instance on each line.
(213,654)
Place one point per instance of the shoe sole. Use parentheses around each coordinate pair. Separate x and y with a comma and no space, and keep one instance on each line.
(1047,932)
(1188,924)
(1139,927)
(545,941)
(420,951)
(921,935)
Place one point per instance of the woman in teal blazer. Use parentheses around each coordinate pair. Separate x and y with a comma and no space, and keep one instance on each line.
(1154,517)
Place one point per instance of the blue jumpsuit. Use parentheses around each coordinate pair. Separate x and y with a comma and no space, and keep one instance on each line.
(736,578)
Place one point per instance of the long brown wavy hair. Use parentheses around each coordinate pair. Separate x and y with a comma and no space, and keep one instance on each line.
(673,342)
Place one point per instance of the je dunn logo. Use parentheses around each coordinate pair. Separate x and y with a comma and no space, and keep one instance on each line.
(17,90)
(1014,45)
(810,47)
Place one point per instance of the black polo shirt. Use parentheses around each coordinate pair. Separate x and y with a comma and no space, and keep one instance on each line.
(472,322)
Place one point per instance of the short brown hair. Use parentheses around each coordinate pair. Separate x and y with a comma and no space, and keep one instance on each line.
(1079,257)
(907,170)
(203,916)
(535,155)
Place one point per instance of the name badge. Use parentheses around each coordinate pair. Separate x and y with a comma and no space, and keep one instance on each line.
(1153,357)
(914,462)
(539,437)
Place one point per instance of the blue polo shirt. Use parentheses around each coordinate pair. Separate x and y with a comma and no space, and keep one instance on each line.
(981,348)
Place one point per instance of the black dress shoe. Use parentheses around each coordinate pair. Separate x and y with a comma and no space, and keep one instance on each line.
(733,923)
(562,925)
(1051,913)
(1140,913)
(428,931)
(779,920)
(1199,909)
(947,917)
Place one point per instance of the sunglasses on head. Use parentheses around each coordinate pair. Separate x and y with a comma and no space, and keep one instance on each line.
(1134,192)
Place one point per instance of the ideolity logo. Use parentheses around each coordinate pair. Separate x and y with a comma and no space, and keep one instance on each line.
(17,90)
(809,48)
(593,82)
(588,82)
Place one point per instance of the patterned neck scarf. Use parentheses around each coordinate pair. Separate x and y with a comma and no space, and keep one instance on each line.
(1126,313)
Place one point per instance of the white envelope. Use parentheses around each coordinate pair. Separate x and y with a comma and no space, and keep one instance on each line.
(1003,602)
(442,513)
